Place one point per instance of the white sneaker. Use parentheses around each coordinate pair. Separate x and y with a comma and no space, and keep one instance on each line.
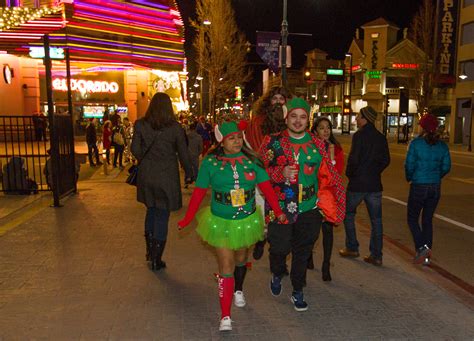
(239,299)
(226,324)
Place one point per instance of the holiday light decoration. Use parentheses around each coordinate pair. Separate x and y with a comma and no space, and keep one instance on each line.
(144,33)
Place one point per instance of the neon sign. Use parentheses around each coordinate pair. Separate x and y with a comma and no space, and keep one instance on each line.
(404,66)
(82,85)
(375,74)
(54,52)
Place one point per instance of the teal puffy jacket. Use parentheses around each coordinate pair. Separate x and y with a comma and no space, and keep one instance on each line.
(427,164)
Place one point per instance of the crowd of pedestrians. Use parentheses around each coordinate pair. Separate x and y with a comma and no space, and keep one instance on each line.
(278,178)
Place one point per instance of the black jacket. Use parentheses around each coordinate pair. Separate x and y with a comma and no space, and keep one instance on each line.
(91,134)
(368,158)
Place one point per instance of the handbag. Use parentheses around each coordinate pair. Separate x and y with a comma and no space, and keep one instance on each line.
(133,170)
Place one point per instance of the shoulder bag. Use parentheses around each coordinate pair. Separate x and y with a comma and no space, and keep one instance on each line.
(133,170)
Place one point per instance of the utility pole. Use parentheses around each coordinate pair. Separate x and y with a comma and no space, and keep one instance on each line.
(284,41)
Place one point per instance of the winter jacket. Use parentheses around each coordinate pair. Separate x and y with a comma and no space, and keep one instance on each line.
(158,183)
(368,157)
(194,144)
(107,138)
(91,134)
(331,195)
(425,163)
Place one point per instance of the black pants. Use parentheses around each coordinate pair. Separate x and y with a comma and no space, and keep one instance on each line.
(92,148)
(118,153)
(297,238)
(328,238)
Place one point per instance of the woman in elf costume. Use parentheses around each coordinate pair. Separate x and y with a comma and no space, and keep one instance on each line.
(232,223)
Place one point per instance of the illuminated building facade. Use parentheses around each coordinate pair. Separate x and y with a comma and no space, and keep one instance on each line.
(121,53)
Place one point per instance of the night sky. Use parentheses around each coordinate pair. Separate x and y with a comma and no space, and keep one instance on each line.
(332,23)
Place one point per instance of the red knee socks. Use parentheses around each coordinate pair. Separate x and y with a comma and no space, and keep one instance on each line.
(226,293)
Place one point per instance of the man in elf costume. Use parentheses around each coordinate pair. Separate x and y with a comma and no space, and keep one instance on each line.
(309,190)
(232,223)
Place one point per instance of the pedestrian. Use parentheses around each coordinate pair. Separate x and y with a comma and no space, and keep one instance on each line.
(323,130)
(232,223)
(368,157)
(107,139)
(267,119)
(91,140)
(195,148)
(204,129)
(157,142)
(308,187)
(118,141)
(427,162)
(128,133)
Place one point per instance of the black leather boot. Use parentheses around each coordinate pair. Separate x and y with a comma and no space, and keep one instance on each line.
(326,274)
(310,264)
(148,244)
(158,247)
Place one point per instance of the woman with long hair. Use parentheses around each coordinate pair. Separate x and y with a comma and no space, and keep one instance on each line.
(156,142)
(427,162)
(232,223)
(323,129)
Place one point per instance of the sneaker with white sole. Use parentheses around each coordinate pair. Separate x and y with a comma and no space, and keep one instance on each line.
(275,285)
(239,299)
(225,324)
(297,298)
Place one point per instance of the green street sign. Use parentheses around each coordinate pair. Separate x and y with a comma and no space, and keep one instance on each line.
(335,72)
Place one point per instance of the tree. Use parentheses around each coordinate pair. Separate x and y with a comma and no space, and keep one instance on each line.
(423,35)
(221,49)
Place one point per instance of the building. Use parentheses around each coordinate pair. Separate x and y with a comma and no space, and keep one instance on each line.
(462,103)
(121,53)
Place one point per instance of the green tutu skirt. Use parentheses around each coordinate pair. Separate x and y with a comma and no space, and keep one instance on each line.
(229,233)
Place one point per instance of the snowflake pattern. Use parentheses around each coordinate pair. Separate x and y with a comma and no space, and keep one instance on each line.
(292,207)
(270,154)
(281,160)
(276,144)
(289,193)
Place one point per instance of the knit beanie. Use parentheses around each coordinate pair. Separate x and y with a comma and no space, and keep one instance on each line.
(429,123)
(296,103)
(369,114)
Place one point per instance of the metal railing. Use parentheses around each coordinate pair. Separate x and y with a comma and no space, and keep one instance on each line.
(23,154)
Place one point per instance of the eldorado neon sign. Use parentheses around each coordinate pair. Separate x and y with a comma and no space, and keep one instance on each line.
(82,85)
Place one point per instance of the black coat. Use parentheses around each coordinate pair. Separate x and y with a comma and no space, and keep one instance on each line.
(91,134)
(368,157)
(158,183)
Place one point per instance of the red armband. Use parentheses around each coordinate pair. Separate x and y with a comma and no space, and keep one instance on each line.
(196,199)
(271,197)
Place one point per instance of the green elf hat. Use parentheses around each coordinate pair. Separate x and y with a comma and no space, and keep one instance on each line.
(296,103)
(225,129)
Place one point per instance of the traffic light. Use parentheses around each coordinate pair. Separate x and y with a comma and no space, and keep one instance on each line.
(346,105)
(387,102)
(307,75)
(404,97)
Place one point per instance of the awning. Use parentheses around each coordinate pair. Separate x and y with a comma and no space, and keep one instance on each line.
(440,110)
(147,34)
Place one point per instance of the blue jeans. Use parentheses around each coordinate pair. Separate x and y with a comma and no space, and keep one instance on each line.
(156,223)
(424,198)
(373,201)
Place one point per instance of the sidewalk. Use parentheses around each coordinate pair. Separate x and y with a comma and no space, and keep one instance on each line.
(78,272)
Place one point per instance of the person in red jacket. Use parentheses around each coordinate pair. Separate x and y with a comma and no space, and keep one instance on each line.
(322,127)
(232,223)
(107,139)
(267,118)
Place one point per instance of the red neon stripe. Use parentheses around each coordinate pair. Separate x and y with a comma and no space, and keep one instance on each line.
(132,33)
(107,11)
(130,8)
(143,27)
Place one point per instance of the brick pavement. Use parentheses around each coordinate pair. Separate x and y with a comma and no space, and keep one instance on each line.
(78,272)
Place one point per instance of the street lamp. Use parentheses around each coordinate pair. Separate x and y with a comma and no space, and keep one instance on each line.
(284,39)
(199,78)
